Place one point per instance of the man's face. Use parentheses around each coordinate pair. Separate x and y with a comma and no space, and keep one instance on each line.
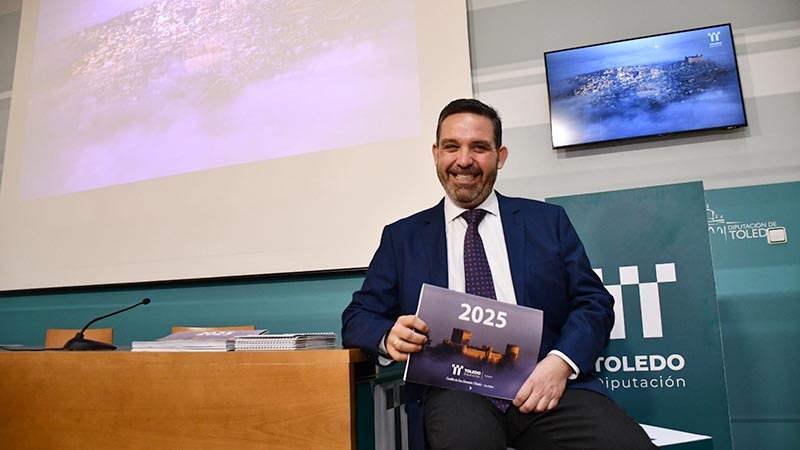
(467,159)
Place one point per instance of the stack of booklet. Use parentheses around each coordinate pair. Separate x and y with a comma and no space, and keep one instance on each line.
(195,341)
(288,341)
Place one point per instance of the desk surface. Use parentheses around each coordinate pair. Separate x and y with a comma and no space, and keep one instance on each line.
(125,400)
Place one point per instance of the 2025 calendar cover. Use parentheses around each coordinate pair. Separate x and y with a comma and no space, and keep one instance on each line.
(475,344)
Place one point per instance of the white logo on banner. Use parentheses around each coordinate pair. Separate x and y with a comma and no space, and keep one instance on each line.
(737,231)
(649,299)
(641,364)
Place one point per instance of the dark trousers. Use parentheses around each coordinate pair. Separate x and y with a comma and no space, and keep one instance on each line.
(582,420)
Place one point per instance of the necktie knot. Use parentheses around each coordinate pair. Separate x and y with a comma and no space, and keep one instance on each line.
(474,216)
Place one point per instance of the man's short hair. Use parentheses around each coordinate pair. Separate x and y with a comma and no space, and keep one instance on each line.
(472,106)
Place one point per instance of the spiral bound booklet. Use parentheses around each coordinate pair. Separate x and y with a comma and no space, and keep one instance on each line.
(287,341)
(475,344)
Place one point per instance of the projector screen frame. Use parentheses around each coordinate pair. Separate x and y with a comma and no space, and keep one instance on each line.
(66,241)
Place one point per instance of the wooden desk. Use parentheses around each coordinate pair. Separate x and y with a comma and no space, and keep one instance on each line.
(123,400)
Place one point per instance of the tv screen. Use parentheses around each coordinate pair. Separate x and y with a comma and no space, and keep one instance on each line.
(649,86)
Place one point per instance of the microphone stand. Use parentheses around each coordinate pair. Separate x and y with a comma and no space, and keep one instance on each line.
(80,343)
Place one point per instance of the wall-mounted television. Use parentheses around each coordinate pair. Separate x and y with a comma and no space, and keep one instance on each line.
(664,84)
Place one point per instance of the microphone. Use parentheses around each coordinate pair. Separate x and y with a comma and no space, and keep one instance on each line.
(81,343)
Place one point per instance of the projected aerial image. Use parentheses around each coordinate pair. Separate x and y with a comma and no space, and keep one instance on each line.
(644,87)
(130,91)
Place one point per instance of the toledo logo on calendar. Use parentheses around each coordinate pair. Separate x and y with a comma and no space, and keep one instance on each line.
(475,344)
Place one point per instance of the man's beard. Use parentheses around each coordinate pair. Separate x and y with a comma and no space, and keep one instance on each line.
(467,197)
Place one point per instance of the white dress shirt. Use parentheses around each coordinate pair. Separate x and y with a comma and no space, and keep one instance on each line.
(494,243)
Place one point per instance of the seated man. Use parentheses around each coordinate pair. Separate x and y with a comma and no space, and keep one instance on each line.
(533,257)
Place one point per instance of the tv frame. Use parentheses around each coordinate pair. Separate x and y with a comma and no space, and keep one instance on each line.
(646,137)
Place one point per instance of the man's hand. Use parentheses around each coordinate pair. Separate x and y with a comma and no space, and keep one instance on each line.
(406,336)
(544,387)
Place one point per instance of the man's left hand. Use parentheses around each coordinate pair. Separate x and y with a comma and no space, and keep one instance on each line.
(544,387)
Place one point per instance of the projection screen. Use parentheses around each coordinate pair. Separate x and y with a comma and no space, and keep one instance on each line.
(184,139)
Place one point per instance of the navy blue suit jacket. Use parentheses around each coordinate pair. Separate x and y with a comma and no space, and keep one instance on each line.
(549,269)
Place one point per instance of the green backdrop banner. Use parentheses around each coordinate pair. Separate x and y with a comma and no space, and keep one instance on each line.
(664,363)
(758,288)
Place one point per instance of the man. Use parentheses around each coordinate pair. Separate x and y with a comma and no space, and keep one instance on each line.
(536,260)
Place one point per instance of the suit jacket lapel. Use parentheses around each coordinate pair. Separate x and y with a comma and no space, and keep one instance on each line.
(514,231)
(433,236)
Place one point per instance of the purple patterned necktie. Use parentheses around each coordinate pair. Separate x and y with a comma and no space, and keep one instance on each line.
(477,274)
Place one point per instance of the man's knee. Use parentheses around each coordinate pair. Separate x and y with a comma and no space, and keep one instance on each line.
(459,420)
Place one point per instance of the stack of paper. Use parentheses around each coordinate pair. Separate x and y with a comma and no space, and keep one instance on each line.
(194,341)
(288,341)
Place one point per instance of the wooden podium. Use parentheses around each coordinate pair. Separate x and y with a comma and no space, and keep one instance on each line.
(125,400)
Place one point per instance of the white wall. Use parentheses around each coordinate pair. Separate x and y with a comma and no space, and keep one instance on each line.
(508,39)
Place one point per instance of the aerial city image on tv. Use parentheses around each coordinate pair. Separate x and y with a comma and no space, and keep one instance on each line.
(644,87)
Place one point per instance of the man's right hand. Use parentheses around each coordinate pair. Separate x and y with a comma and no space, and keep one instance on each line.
(408,335)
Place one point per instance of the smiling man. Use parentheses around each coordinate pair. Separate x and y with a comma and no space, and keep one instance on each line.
(467,159)
(532,257)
